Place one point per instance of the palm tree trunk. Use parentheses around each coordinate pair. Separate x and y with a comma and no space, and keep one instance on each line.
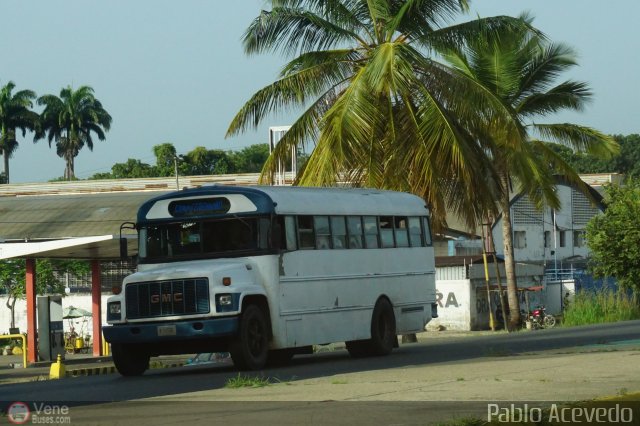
(5,154)
(68,169)
(509,261)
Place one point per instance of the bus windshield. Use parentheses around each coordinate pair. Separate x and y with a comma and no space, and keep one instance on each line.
(228,237)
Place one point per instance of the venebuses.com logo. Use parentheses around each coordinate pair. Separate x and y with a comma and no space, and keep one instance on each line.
(19,413)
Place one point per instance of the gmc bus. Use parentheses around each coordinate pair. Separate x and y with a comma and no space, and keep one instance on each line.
(266,272)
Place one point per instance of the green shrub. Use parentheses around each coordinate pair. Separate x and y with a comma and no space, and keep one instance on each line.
(600,306)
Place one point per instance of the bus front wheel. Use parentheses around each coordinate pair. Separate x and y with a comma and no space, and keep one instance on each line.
(250,348)
(129,361)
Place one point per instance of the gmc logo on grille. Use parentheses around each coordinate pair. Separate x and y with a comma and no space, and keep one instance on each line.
(164,298)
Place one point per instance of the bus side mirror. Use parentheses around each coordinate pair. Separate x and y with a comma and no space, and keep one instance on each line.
(123,241)
(123,249)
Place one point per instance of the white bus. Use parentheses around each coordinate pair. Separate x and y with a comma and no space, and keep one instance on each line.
(268,272)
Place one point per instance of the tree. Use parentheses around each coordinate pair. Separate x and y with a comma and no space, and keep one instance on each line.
(70,120)
(15,113)
(202,161)
(381,109)
(166,158)
(48,271)
(250,159)
(614,237)
(518,68)
(627,162)
(132,169)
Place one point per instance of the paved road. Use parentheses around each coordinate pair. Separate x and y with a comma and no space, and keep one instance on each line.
(414,383)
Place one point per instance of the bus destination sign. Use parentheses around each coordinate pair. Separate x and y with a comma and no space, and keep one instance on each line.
(199,207)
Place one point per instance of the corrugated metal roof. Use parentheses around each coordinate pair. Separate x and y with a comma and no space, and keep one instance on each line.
(125,185)
(67,216)
(52,219)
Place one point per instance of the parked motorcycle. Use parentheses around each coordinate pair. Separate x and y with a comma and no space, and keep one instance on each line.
(539,318)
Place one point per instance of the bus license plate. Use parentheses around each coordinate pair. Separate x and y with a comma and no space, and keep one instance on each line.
(166,330)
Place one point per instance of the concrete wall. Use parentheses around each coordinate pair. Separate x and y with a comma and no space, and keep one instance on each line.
(463,304)
(455,305)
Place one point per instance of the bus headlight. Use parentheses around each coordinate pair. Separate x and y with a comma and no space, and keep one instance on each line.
(114,311)
(227,302)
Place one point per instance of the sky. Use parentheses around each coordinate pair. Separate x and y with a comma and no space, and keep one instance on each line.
(175,71)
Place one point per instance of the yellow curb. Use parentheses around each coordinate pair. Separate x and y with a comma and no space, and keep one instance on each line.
(95,371)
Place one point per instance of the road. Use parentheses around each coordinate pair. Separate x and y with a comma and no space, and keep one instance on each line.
(437,378)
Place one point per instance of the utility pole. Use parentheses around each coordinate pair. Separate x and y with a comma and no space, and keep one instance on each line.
(175,166)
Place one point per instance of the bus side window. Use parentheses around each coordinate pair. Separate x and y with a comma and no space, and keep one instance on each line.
(289,231)
(386,231)
(371,231)
(338,232)
(401,231)
(415,232)
(427,231)
(354,227)
(323,233)
(306,238)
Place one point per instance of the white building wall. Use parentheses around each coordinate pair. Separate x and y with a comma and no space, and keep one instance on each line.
(77,301)
(571,217)
(455,305)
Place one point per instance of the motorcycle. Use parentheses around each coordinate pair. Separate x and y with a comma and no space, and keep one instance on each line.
(539,318)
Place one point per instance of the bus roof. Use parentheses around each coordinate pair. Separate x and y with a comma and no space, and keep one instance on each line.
(291,200)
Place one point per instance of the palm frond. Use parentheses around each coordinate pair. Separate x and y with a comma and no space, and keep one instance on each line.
(570,95)
(294,30)
(294,89)
(561,167)
(580,138)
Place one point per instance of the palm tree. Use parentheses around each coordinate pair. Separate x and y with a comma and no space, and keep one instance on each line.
(15,113)
(381,110)
(69,120)
(518,69)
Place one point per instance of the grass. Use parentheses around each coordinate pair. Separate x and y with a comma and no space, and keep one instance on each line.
(339,382)
(241,381)
(601,306)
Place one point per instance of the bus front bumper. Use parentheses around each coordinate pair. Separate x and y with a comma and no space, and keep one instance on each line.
(171,330)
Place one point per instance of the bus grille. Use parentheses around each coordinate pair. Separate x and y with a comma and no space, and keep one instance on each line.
(165,298)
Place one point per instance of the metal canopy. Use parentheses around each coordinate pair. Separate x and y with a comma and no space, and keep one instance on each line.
(81,219)
(72,226)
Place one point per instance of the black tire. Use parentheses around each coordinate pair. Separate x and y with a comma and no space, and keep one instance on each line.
(129,361)
(383,333)
(250,349)
(280,357)
(383,329)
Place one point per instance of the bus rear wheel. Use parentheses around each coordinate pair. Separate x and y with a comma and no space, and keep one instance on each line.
(250,349)
(383,328)
(129,361)
(383,333)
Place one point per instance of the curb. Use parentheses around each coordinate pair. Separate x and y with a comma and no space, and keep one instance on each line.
(96,371)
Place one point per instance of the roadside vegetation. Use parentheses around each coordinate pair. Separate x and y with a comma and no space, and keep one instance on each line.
(600,306)
(241,381)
